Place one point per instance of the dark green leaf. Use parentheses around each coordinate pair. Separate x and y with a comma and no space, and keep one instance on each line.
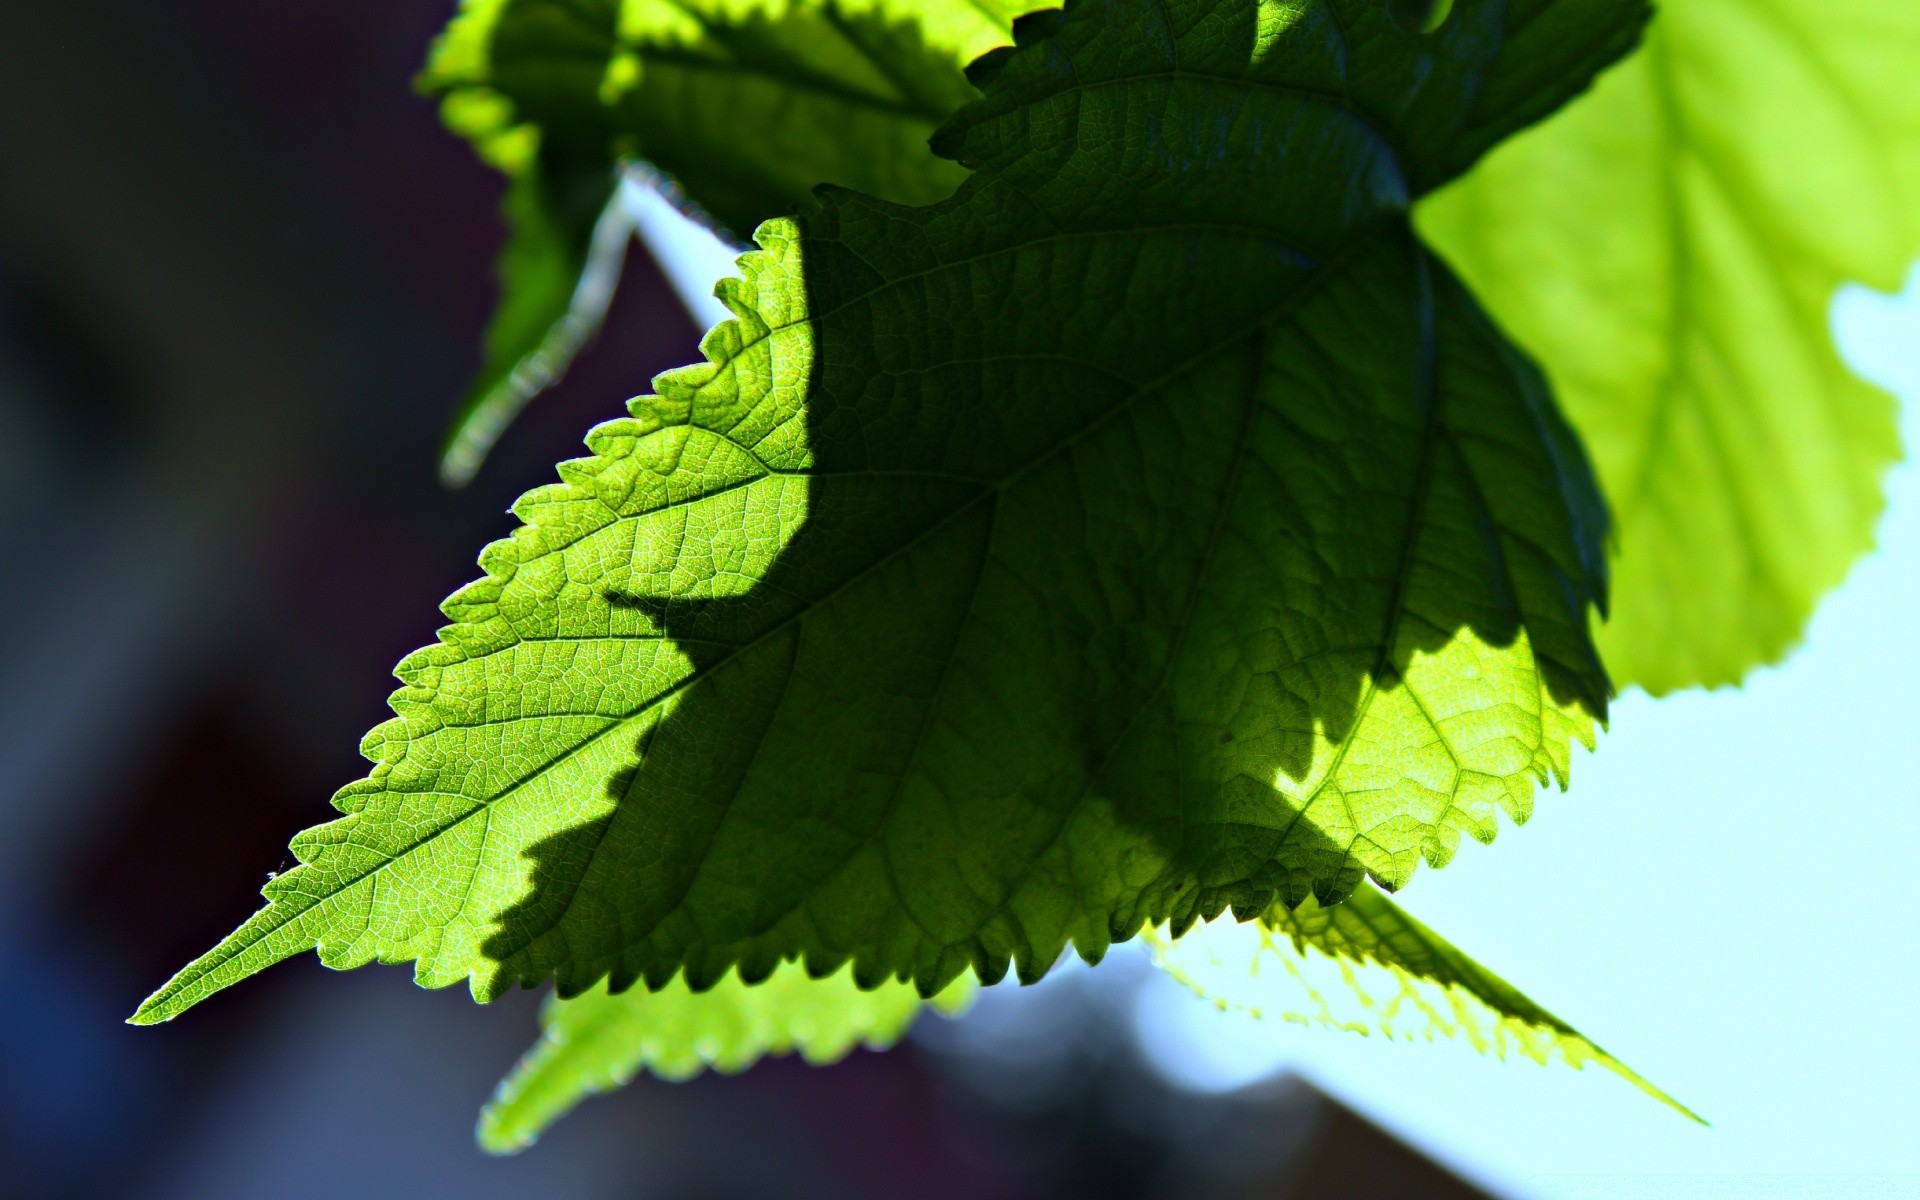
(747,105)
(1153,526)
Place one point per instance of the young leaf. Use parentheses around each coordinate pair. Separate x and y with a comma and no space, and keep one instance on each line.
(1669,247)
(597,1041)
(747,105)
(1366,966)
(1152,526)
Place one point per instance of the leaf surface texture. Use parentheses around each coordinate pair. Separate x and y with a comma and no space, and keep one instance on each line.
(1669,246)
(598,1041)
(1367,966)
(1152,526)
(746,105)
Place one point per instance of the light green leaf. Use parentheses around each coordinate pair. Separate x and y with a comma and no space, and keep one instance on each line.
(1366,966)
(558,92)
(597,1042)
(1669,246)
(1152,526)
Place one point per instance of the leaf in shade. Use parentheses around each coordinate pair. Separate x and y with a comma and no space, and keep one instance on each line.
(746,105)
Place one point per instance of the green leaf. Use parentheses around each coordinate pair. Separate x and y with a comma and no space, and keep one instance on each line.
(566,240)
(1152,526)
(1669,246)
(747,105)
(557,277)
(1366,966)
(597,1042)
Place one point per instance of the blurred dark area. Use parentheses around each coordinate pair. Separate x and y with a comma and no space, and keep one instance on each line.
(243,275)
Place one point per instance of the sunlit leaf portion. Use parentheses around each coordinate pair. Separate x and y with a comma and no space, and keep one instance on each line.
(1669,247)
(597,1042)
(1150,527)
(1366,966)
(745,105)
(566,240)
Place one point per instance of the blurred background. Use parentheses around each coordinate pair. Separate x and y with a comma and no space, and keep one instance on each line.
(243,274)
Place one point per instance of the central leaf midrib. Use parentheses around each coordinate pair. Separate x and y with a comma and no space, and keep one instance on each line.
(1319,276)
(749,56)
(1677,128)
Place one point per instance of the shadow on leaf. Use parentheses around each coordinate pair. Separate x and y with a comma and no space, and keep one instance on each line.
(1152,527)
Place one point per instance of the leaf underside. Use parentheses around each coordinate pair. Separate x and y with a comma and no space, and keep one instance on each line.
(1669,246)
(1150,527)
(1366,966)
(599,1041)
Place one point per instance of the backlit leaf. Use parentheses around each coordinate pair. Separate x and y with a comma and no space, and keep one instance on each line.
(1152,526)
(597,1041)
(746,105)
(1669,246)
(1366,966)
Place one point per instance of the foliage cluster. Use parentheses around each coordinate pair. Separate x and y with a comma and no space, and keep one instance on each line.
(1167,458)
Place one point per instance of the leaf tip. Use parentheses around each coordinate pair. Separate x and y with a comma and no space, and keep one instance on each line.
(498,1137)
(1647,1087)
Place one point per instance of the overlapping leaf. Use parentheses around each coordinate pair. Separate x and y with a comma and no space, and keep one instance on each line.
(1363,965)
(599,1041)
(747,105)
(1152,526)
(1669,246)
(1367,966)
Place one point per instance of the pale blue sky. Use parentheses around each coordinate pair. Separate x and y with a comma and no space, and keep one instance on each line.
(1720,900)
